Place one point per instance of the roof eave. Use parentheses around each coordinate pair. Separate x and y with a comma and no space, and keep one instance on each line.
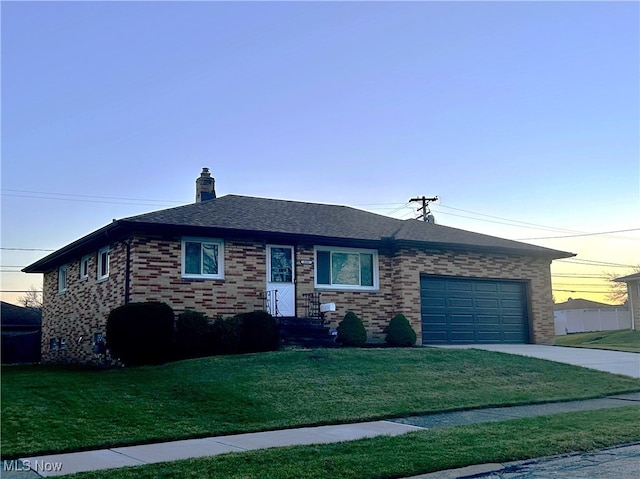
(72,250)
(542,253)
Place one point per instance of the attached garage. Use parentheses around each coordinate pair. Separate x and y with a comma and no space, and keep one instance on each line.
(458,310)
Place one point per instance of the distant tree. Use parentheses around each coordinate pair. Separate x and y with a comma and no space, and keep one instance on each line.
(618,291)
(32,299)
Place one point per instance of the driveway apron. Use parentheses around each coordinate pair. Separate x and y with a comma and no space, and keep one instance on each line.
(615,362)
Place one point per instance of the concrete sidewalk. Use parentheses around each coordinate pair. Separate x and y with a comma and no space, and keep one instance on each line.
(60,464)
(615,362)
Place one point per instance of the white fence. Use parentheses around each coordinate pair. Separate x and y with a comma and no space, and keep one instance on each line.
(586,320)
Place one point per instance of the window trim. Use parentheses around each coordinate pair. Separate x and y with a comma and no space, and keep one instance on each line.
(183,252)
(346,287)
(100,274)
(63,272)
(84,260)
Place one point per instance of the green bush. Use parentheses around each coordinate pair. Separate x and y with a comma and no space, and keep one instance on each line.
(258,332)
(351,331)
(245,333)
(140,333)
(399,332)
(225,335)
(193,335)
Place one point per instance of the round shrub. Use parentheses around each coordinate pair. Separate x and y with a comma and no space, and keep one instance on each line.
(399,332)
(140,333)
(225,335)
(258,332)
(193,332)
(351,331)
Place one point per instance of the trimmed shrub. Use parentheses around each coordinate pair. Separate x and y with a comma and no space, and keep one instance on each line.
(351,331)
(258,332)
(399,332)
(225,335)
(193,335)
(140,333)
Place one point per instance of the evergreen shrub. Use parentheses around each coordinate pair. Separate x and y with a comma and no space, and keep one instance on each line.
(351,331)
(193,335)
(140,333)
(399,332)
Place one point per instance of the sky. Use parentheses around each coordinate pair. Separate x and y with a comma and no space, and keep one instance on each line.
(522,117)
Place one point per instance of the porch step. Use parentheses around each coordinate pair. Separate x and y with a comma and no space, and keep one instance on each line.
(305,332)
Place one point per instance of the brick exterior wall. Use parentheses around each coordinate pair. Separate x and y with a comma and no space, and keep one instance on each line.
(155,275)
(82,310)
(410,263)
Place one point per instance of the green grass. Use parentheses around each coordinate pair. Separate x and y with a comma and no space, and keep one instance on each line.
(622,340)
(411,454)
(55,409)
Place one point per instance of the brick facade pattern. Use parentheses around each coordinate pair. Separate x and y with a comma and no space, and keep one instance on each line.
(155,275)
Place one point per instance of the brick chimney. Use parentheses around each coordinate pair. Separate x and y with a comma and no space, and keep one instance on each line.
(205,186)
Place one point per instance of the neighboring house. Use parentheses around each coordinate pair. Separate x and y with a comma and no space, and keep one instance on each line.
(633,297)
(227,255)
(21,332)
(583,315)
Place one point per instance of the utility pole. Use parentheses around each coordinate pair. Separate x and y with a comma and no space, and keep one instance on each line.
(425,206)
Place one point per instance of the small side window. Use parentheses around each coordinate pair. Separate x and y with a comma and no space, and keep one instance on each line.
(103,263)
(84,267)
(62,279)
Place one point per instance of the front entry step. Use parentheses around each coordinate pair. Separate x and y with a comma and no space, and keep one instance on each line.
(305,332)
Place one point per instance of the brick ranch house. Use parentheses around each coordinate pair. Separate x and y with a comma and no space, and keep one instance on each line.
(223,256)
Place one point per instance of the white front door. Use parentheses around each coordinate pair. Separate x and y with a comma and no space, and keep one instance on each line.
(281,280)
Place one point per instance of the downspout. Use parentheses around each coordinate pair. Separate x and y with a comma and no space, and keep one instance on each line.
(127,272)
(631,304)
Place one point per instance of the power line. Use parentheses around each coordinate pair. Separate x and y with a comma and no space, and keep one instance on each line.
(26,249)
(587,262)
(90,196)
(580,291)
(585,234)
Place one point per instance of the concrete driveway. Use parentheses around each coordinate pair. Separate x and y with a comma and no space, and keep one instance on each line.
(616,362)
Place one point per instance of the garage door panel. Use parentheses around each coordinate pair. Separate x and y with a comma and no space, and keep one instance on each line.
(434,319)
(461,319)
(511,287)
(489,337)
(487,303)
(486,287)
(459,286)
(438,336)
(487,319)
(463,311)
(436,302)
(460,303)
(465,337)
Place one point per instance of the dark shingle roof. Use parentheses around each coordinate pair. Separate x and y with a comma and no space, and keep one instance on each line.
(247,215)
(631,277)
(580,303)
(250,214)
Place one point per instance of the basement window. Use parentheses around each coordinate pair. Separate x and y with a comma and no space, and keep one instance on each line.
(202,258)
(346,268)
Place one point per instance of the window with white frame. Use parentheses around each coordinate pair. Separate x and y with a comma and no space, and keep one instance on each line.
(103,263)
(202,258)
(346,268)
(62,278)
(84,267)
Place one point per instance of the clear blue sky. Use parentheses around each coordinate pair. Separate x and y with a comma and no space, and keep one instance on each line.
(526,111)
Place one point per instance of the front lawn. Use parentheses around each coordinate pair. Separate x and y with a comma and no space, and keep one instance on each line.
(621,340)
(411,454)
(54,409)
